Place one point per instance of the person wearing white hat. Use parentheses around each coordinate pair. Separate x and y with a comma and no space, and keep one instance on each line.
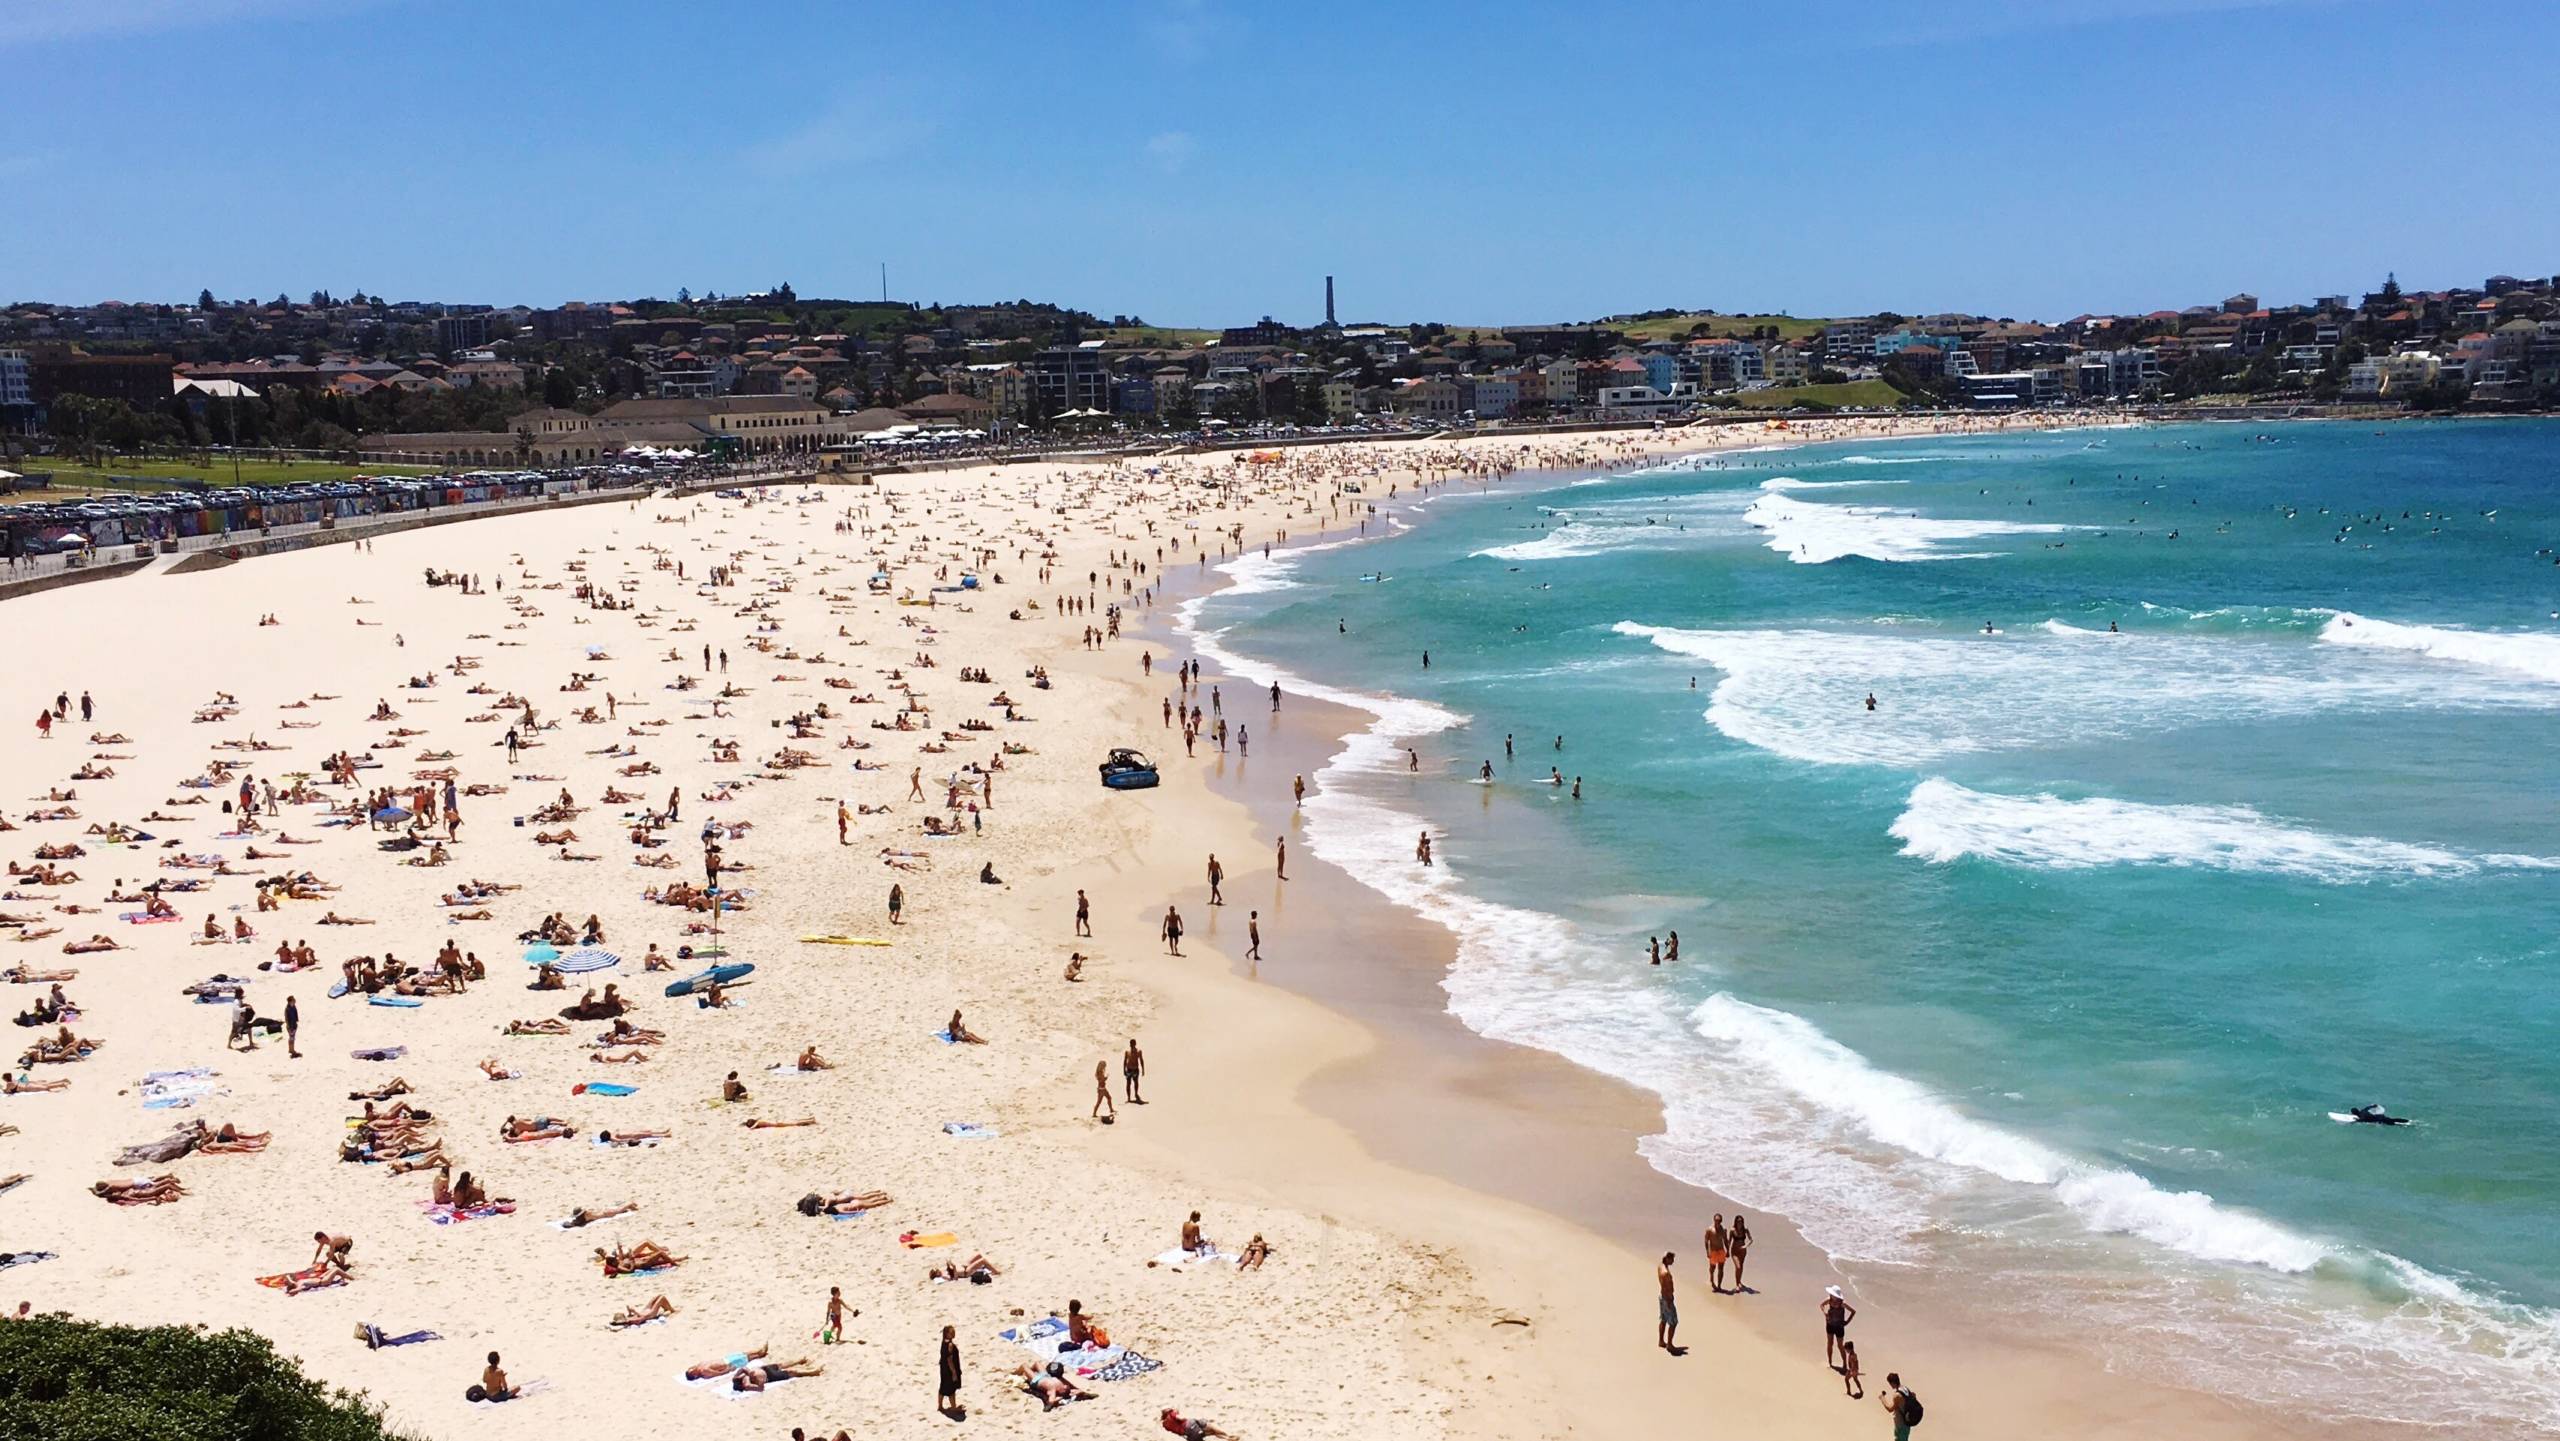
(1837,1313)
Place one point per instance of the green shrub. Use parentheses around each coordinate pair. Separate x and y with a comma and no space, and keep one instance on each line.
(63,1380)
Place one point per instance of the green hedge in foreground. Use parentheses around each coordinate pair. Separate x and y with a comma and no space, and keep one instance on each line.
(63,1380)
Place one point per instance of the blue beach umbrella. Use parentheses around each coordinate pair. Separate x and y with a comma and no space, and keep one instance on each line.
(391,815)
(542,951)
(588,958)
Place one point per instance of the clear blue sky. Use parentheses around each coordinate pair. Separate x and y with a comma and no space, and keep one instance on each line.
(1205,163)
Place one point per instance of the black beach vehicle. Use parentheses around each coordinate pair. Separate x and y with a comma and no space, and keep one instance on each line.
(1128,770)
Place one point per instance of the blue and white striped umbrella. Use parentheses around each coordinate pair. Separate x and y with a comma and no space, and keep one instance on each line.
(587,958)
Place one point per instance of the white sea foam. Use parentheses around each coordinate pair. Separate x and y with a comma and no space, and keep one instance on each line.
(1563,542)
(1792,1054)
(1783,483)
(1811,534)
(2532,654)
(1800,693)
(1943,822)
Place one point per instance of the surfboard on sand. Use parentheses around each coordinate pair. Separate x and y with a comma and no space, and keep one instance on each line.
(719,974)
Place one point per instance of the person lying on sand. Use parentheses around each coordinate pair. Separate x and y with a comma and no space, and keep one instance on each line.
(586,1217)
(705,1370)
(647,1256)
(849,1203)
(753,1378)
(657,1308)
(155,1191)
(549,1026)
(535,1128)
(630,1138)
(1050,1385)
(971,1270)
(761,1125)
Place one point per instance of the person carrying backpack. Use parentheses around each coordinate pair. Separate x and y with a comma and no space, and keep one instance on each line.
(1902,1404)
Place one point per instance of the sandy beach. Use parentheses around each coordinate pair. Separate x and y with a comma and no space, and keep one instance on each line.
(1461,1234)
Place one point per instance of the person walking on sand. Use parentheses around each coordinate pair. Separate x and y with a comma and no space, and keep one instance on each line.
(915,784)
(1280,858)
(1740,1241)
(1901,1403)
(1850,1385)
(1084,915)
(1253,936)
(833,1332)
(1666,1326)
(947,1399)
(1299,788)
(844,819)
(1217,873)
(1717,1247)
(292,1028)
(1102,1091)
(897,903)
(1837,1313)
(1133,1068)
(1172,931)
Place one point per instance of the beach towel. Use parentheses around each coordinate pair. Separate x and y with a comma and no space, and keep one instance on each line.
(946,1038)
(1179,1257)
(625,1145)
(915,1241)
(192,1073)
(1128,1363)
(403,1002)
(969,1130)
(842,941)
(310,1278)
(23,1258)
(601,1088)
(444,1215)
(145,918)
(379,1053)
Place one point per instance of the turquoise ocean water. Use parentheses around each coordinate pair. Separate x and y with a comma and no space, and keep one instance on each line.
(2050,968)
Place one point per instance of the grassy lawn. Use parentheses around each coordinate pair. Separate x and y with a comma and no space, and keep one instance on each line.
(160,474)
(1677,327)
(1152,336)
(1872,394)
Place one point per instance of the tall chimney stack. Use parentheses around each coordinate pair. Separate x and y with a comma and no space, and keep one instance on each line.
(1328,300)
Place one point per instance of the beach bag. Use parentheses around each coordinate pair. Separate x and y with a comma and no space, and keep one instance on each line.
(1909,1412)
